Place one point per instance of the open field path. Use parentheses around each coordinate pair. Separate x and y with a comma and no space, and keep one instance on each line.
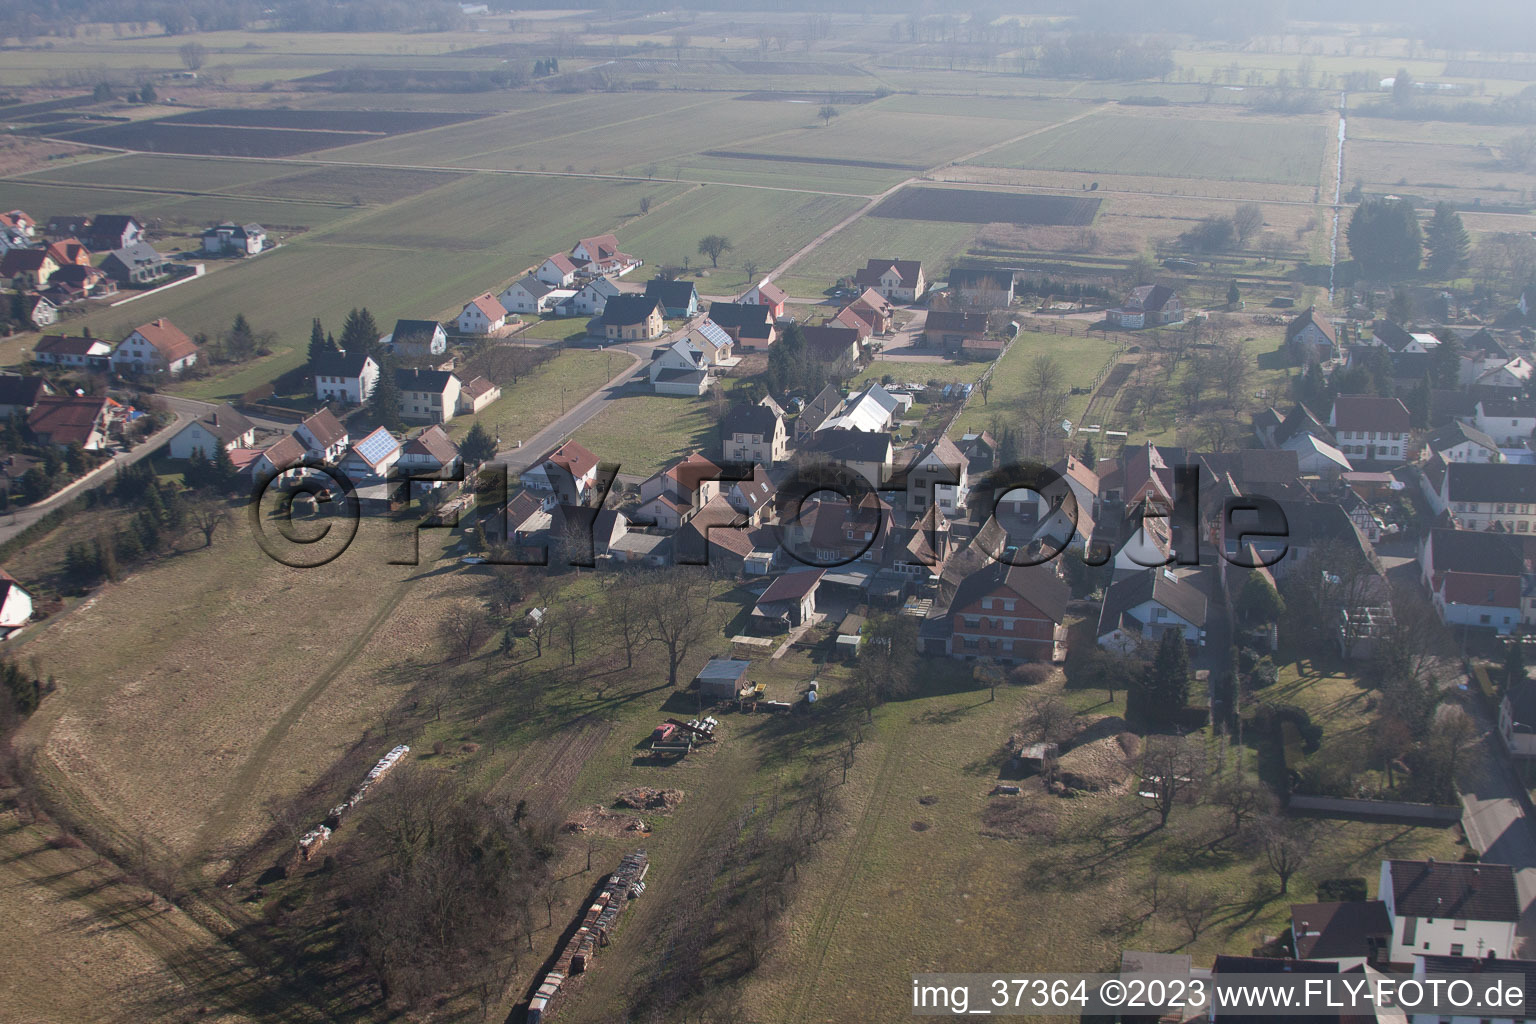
(824,929)
(874,201)
(241,789)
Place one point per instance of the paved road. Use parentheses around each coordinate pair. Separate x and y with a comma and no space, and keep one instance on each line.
(518,459)
(1495,821)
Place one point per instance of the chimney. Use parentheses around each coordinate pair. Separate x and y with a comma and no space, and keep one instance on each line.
(215,417)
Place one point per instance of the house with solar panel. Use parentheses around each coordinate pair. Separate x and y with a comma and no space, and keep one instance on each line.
(370,459)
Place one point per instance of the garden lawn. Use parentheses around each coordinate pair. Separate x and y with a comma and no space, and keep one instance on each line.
(645,432)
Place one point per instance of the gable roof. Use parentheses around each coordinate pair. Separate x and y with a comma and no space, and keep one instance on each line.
(671,293)
(1302,420)
(414,332)
(113,224)
(1480,589)
(690,472)
(707,332)
(433,382)
(1176,593)
(488,305)
(981,277)
(770,293)
(67,345)
(630,308)
(1490,481)
(1391,335)
(956,320)
(17,260)
(1479,551)
(820,408)
(1309,318)
(1327,930)
(1512,408)
(906,270)
(1037,584)
(828,343)
(135,254)
(1150,298)
(532,285)
(324,427)
(18,390)
(227,423)
(756,492)
(167,339)
(475,387)
(1457,432)
(435,442)
(373,449)
(572,457)
(792,586)
(850,445)
(1370,412)
(749,419)
(67,419)
(602,247)
(1474,892)
(561,262)
(340,364)
(751,319)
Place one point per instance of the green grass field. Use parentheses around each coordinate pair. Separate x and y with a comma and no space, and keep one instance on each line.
(1081,361)
(536,400)
(645,432)
(1287,152)
(936,243)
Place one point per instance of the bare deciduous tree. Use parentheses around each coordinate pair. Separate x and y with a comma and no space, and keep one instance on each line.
(682,613)
(466,626)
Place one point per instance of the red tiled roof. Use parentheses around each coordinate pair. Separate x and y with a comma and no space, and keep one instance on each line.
(68,419)
(488,305)
(167,339)
(562,263)
(326,428)
(692,471)
(573,458)
(1476,588)
(285,452)
(771,293)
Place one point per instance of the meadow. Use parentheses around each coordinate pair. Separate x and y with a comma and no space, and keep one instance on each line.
(644,432)
(1082,359)
(1177,146)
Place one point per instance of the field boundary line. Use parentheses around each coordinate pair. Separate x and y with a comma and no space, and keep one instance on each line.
(874,201)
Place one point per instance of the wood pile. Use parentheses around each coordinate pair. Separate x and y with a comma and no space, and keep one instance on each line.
(310,842)
(647,798)
(596,925)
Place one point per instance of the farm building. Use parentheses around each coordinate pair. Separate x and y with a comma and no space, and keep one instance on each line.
(722,678)
(1151,305)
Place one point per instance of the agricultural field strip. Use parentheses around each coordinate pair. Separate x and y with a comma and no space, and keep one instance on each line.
(876,200)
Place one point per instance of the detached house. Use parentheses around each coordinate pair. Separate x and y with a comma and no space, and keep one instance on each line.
(875,310)
(753,433)
(528,294)
(1311,338)
(680,370)
(867,454)
(19,394)
(1144,606)
(765,293)
(832,344)
(1371,427)
(19,221)
(63,420)
(897,280)
(677,298)
(156,347)
(632,318)
(27,269)
(1449,908)
(590,299)
(229,239)
(345,377)
(69,252)
(1151,305)
(1010,613)
(416,339)
(751,325)
(1509,421)
(482,315)
(82,353)
(370,459)
(135,264)
(568,473)
(557,271)
(430,452)
(475,394)
(322,436)
(952,329)
(427,395)
(1458,442)
(225,427)
(600,255)
(114,231)
(937,478)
